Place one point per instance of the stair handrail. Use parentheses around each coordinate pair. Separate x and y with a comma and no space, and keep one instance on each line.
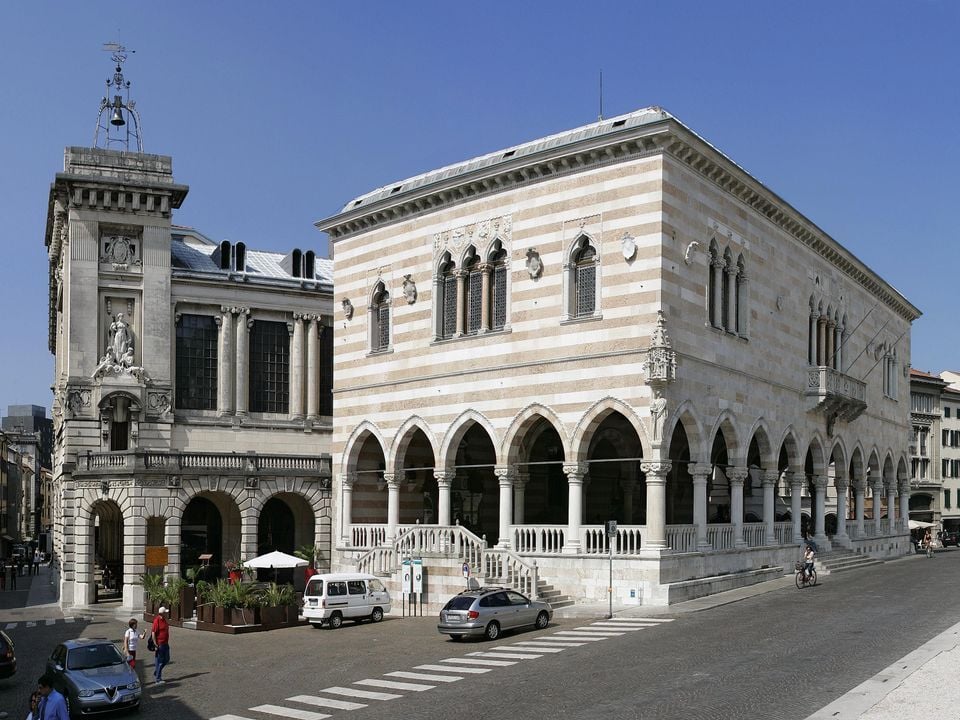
(450,540)
(520,575)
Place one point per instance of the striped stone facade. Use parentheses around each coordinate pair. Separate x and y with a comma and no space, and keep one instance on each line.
(784,398)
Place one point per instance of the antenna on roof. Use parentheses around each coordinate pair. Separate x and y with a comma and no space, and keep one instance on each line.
(112,125)
(601,97)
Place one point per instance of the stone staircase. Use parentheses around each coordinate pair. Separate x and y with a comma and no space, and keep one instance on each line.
(555,597)
(837,561)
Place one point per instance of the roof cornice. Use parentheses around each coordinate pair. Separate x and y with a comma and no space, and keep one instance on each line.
(667,137)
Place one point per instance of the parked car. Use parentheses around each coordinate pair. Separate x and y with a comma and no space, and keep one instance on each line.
(8,659)
(489,610)
(93,677)
(332,598)
(950,538)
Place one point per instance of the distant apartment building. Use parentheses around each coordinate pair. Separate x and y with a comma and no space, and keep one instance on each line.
(926,390)
(30,431)
(950,449)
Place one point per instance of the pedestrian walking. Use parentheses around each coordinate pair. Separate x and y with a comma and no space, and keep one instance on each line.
(52,704)
(36,561)
(34,713)
(928,543)
(160,634)
(131,639)
(13,575)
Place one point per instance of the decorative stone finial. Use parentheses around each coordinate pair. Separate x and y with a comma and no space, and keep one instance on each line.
(661,363)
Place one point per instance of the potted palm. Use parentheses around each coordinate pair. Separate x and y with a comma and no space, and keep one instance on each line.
(274,601)
(152,586)
(204,603)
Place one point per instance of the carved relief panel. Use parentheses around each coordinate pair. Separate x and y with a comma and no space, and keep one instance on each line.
(120,246)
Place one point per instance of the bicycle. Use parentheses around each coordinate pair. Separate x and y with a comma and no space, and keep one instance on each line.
(802,579)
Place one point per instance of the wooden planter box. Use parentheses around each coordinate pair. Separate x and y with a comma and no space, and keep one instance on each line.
(244,616)
(188,599)
(292,614)
(273,615)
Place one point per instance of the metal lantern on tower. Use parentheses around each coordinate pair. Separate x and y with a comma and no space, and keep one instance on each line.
(118,123)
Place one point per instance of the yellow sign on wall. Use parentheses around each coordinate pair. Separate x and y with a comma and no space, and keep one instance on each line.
(156,556)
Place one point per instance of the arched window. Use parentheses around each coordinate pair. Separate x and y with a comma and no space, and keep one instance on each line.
(725,296)
(446,298)
(584,267)
(297,267)
(225,255)
(740,299)
(240,257)
(309,265)
(380,319)
(498,273)
(473,302)
(714,285)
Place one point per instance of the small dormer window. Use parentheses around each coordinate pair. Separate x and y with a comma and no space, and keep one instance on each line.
(309,265)
(240,257)
(297,267)
(225,255)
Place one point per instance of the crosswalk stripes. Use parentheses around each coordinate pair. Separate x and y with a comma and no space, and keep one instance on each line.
(444,668)
(318,701)
(290,712)
(423,676)
(391,685)
(506,655)
(445,671)
(363,694)
(14,624)
(477,661)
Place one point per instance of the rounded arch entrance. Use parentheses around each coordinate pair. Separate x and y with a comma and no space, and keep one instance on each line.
(106,539)
(615,488)
(286,524)
(420,496)
(474,491)
(210,525)
(539,463)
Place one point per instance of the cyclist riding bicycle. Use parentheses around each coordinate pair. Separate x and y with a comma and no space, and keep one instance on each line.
(808,557)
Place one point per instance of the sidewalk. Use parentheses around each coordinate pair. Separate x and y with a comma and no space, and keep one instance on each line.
(35,596)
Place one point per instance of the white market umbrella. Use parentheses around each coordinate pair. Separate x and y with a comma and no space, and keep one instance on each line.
(275,560)
(918,525)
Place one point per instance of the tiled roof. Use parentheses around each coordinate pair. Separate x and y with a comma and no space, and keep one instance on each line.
(924,375)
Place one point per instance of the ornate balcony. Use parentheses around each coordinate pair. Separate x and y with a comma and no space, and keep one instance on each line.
(836,394)
(158,462)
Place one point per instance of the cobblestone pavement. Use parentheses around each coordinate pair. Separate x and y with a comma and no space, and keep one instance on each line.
(775,653)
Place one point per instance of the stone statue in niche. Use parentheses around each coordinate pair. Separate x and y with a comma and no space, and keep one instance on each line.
(534,264)
(658,415)
(119,356)
(121,340)
(409,290)
(347,308)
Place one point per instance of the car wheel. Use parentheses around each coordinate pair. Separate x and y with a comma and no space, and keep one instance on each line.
(456,638)
(335,621)
(377,614)
(492,631)
(542,620)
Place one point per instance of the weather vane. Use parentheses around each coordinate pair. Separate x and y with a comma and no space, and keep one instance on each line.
(118,122)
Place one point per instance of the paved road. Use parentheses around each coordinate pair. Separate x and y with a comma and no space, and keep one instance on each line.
(781,654)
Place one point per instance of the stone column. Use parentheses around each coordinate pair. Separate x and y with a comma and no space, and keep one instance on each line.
(296,369)
(891,505)
(838,347)
(858,488)
(770,478)
(347,481)
(843,485)
(519,492)
(313,369)
(656,474)
(731,319)
(905,505)
(134,557)
(461,302)
(249,517)
(243,360)
(718,293)
(171,538)
(444,481)
(393,506)
(796,496)
(812,340)
(820,503)
(485,309)
(574,473)
(831,328)
(224,366)
(876,483)
(700,473)
(821,341)
(736,476)
(505,482)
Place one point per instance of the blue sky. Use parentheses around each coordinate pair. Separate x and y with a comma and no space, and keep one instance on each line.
(277,113)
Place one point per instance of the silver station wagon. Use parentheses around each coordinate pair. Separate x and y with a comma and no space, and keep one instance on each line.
(488,611)
(93,677)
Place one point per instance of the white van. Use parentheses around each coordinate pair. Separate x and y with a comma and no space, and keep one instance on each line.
(334,597)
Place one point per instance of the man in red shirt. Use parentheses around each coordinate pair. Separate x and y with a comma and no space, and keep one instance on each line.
(160,633)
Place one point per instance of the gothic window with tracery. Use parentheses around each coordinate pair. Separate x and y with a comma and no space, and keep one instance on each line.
(584,260)
(447,305)
(498,261)
(380,319)
(474,292)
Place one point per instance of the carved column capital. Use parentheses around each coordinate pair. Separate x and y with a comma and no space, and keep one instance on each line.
(736,475)
(842,483)
(444,477)
(504,476)
(699,470)
(770,477)
(819,482)
(575,472)
(391,480)
(656,470)
(347,480)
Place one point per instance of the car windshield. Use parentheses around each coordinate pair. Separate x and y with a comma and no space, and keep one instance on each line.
(460,602)
(93,656)
(314,588)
